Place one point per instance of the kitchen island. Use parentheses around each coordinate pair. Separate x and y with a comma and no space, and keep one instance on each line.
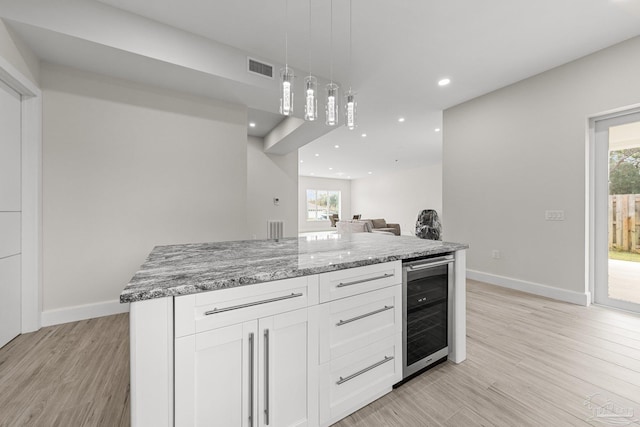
(292,289)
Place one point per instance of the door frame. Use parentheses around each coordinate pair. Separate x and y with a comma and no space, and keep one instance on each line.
(593,221)
(31,193)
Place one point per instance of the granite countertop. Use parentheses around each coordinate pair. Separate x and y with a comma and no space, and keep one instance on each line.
(198,267)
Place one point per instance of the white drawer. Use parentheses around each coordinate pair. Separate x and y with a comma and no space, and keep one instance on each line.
(353,281)
(355,380)
(351,323)
(209,310)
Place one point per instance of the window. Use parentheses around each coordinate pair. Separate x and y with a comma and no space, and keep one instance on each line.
(321,204)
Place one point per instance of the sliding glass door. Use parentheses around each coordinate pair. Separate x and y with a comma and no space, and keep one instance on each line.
(617,211)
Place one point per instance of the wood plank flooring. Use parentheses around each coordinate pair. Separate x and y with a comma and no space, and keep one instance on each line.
(76,374)
(531,362)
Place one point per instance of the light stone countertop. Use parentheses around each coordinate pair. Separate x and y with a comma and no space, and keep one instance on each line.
(198,267)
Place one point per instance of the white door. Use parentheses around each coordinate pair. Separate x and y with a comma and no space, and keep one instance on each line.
(10,214)
(617,211)
(283,370)
(216,377)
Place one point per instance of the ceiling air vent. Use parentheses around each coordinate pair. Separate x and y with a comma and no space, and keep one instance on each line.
(261,68)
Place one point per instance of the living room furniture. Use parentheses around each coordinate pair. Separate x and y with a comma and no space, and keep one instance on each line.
(334,218)
(353,226)
(357,216)
(380,224)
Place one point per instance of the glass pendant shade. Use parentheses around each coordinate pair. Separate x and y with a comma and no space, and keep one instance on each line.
(332,105)
(286,91)
(350,110)
(311,99)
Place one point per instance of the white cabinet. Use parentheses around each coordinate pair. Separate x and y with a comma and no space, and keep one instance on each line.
(360,337)
(351,323)
(352,381)
(254,373)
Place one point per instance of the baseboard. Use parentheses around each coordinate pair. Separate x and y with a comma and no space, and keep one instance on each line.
(82,312)
(580,298)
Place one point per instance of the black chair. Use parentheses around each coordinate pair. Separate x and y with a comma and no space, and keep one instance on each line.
(428,225)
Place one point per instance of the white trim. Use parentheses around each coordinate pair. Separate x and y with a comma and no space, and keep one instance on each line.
(82,312)
(596,215)
(31,170)
(531,287)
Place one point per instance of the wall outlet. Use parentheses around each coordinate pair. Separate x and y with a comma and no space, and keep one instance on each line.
(495,254)
(554,215)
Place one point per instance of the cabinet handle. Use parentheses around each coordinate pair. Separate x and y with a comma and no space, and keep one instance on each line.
(266,376)
(367,369)
(435,262)
(362,316)
(251,304)
(355,282)
(251,349)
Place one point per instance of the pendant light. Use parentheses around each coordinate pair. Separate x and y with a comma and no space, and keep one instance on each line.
(286,73)
(332,88)
(350,107)
(310,85)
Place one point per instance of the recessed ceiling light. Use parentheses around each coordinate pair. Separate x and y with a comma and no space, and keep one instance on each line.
(437,129)
(349,177)
(252,125)
(330,169)
(444,82)
(364,135)
(301,161)
(336,146)
(401,119)
(311,173)
(317,155)
(370,173)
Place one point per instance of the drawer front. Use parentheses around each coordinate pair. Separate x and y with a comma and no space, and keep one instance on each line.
(209,310)
(345,283)
(355,380)
(352,323)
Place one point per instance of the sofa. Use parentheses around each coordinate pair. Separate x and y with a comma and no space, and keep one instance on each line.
(380,225)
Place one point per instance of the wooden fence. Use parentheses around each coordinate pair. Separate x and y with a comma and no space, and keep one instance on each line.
(624,222)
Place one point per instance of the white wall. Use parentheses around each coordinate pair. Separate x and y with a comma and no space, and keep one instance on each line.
(270,176)
(127,167)
(307,182)
(20,56)
(399,196)
(514,153)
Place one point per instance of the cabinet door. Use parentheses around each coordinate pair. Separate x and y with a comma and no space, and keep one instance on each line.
(283,398)
(215,379)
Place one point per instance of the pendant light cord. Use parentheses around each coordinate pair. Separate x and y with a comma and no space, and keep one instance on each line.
(350,44)
(331,47)
(309,47)
(286,34)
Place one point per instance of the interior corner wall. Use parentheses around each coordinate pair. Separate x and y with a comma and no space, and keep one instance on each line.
(512,154)
(313,183)
(18,54)
(271,176)
(127,167)
(399,196)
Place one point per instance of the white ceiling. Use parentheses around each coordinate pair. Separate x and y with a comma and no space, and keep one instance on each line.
(400,50)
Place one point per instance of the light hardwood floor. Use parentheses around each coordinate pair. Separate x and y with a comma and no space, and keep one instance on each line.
(531,362)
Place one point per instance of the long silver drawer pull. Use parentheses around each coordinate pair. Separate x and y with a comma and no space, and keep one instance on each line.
(429,265)
(355,282)
(251,304)
(375,365)
(266,376)
(251,379)
(362,316)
